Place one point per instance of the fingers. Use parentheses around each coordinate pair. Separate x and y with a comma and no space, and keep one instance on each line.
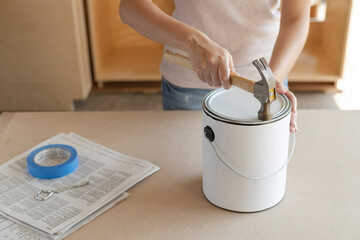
(293,120)
(293,100)
(212,65)
(206,71)
(280,88)
(231,64)
(200,75)
(224,73)
(208,78)
(293,124)
(215,72)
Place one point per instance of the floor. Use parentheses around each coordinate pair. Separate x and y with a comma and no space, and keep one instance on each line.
(347,99)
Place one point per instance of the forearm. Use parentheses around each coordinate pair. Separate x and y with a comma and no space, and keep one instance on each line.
(211,62)
(290,42)
(150,21)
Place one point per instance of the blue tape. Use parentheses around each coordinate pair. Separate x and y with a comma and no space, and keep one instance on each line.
(56,171)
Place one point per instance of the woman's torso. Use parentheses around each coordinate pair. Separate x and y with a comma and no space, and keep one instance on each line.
(246,28)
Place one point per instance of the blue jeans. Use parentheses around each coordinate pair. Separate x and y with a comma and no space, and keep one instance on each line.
(178,98)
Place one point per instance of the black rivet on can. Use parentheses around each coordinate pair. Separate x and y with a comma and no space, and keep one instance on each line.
(209,133)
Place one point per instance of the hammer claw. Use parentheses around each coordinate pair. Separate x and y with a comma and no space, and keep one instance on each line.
(264,63)
(258,65)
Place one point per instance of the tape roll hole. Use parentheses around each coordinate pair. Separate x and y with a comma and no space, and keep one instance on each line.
(52,156)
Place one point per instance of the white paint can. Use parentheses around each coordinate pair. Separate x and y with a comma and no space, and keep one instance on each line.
(244,158)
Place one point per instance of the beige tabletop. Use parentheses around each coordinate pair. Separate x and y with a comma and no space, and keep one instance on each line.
(322,198)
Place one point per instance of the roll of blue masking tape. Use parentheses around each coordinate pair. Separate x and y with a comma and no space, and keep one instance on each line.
(42,162)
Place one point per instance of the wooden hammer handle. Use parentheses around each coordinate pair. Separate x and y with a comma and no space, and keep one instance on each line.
(236,80)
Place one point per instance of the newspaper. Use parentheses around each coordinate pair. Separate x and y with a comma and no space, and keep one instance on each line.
(10,230)
(110,174)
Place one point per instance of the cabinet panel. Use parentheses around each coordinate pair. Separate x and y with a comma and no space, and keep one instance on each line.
(119,52)
(321,62)
(44,60)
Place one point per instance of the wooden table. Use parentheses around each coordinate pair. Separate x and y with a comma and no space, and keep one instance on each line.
(323,187)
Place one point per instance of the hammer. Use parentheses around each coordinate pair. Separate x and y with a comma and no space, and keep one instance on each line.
(264,90)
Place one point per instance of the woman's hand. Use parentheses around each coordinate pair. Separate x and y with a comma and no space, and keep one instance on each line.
(211,62)
(280,88)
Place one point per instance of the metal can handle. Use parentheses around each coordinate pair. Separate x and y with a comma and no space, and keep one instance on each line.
(253,177)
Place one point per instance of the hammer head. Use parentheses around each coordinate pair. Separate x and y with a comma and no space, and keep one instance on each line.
(265,89)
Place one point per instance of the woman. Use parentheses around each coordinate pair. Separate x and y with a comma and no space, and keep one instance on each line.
(221,37)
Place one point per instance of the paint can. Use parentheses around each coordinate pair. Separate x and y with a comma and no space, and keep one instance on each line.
(244,158)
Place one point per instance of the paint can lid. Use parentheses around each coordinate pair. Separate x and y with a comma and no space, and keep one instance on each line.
(238,106)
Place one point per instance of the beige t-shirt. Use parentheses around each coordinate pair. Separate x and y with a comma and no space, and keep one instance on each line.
(246,28)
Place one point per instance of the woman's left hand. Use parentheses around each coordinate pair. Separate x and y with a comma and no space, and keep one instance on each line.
(281,89)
